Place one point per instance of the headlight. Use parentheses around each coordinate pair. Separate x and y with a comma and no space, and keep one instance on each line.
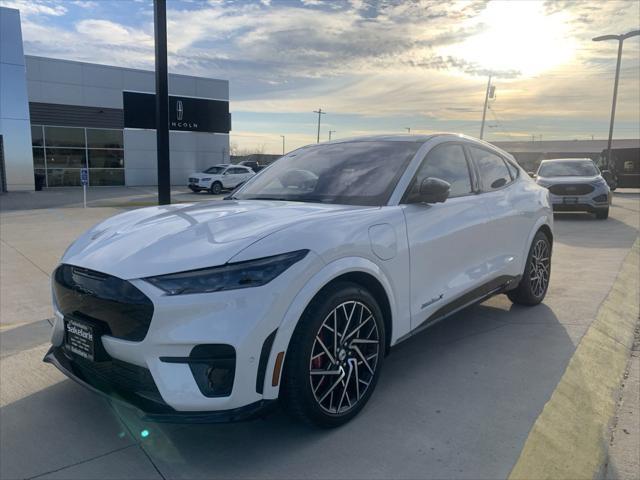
(205,179)
(232,276)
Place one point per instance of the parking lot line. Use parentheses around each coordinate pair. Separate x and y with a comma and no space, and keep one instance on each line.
(571,436)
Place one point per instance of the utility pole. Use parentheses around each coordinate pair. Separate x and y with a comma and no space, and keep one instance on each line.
(320,113)
(408,129)
(620,39)
(282,145)
(330,132)
(162,102)
(484,110)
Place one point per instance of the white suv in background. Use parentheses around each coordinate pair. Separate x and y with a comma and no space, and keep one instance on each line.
(219,177)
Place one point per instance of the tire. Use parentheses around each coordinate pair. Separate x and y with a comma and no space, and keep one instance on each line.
(332,399)
(216,188)
(535,281)
(602,214)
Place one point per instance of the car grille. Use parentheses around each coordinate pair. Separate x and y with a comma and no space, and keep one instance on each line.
(123,310)
(193,180)
(117,376)
(571,189)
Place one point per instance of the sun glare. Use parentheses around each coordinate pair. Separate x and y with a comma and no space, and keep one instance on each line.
(519,36)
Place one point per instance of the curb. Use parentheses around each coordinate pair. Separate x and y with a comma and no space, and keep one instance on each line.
(570,438)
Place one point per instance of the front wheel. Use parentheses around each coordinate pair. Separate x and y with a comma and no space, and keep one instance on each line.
(534,283)
(602,214)
(216,188)
(335,356)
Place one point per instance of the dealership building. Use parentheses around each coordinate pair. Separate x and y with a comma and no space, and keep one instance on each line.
(58,117)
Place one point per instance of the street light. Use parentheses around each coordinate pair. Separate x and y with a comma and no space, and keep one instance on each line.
(620,39)
(162,101)
(282,145)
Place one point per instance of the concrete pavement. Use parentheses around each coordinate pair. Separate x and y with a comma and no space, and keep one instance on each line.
(456,401)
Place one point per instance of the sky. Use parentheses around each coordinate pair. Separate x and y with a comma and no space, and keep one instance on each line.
(373,66)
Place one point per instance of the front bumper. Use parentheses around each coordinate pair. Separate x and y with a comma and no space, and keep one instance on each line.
(181,326)
(592,202)
(197,187)
(142,398)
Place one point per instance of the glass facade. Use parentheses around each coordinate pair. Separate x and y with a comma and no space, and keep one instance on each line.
(60,152)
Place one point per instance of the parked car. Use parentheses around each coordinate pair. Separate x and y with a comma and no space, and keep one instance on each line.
(220,177)
(576,185)
(294,289)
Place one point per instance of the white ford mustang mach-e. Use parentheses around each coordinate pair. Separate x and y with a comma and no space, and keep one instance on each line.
(297,285)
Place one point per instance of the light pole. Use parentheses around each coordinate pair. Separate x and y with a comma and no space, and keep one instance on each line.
(620,39)
(282,145)
(162,101)
(320,113)
(330,132)
(484,111)
(408,129)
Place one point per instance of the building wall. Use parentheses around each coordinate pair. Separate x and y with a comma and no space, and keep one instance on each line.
(95,92)
(190,152)
(14,107)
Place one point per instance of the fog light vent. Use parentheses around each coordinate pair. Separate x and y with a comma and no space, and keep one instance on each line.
(213,368)
(600,198)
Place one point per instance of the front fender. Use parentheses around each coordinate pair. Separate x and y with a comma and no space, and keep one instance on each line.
(328,273)
(544,219)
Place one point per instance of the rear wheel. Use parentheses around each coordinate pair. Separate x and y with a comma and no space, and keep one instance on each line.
(534,283)
(335,356)
(216,188)
(602,214)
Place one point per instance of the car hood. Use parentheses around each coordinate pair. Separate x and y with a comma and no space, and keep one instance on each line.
(166,239)
(563,180)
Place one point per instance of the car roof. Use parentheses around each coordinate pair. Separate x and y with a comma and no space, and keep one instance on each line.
(550,160)
(418,138)
(406,137)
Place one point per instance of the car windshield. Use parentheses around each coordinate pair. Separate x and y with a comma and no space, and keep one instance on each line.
(215,170)
(350,173)
(568,169)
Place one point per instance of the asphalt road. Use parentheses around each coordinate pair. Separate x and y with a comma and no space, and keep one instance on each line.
(455,401)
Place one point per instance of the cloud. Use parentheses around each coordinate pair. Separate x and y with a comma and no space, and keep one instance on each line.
(424,59)
(110,33)
(35,7)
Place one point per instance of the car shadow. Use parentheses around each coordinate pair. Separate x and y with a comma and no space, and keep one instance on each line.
(456,400)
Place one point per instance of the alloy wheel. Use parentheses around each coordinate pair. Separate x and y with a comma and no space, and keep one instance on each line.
(540,265)
(344,357)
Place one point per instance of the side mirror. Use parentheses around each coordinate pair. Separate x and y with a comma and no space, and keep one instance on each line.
(532,175)
(432,190)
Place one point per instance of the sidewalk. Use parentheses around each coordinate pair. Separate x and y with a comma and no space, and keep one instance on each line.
(119,197)
(624,450)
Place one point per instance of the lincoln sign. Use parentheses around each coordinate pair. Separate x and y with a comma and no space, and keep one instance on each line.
(185,113)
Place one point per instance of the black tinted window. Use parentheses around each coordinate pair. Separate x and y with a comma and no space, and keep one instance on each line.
(446,162)
(493,171)
(351,173)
